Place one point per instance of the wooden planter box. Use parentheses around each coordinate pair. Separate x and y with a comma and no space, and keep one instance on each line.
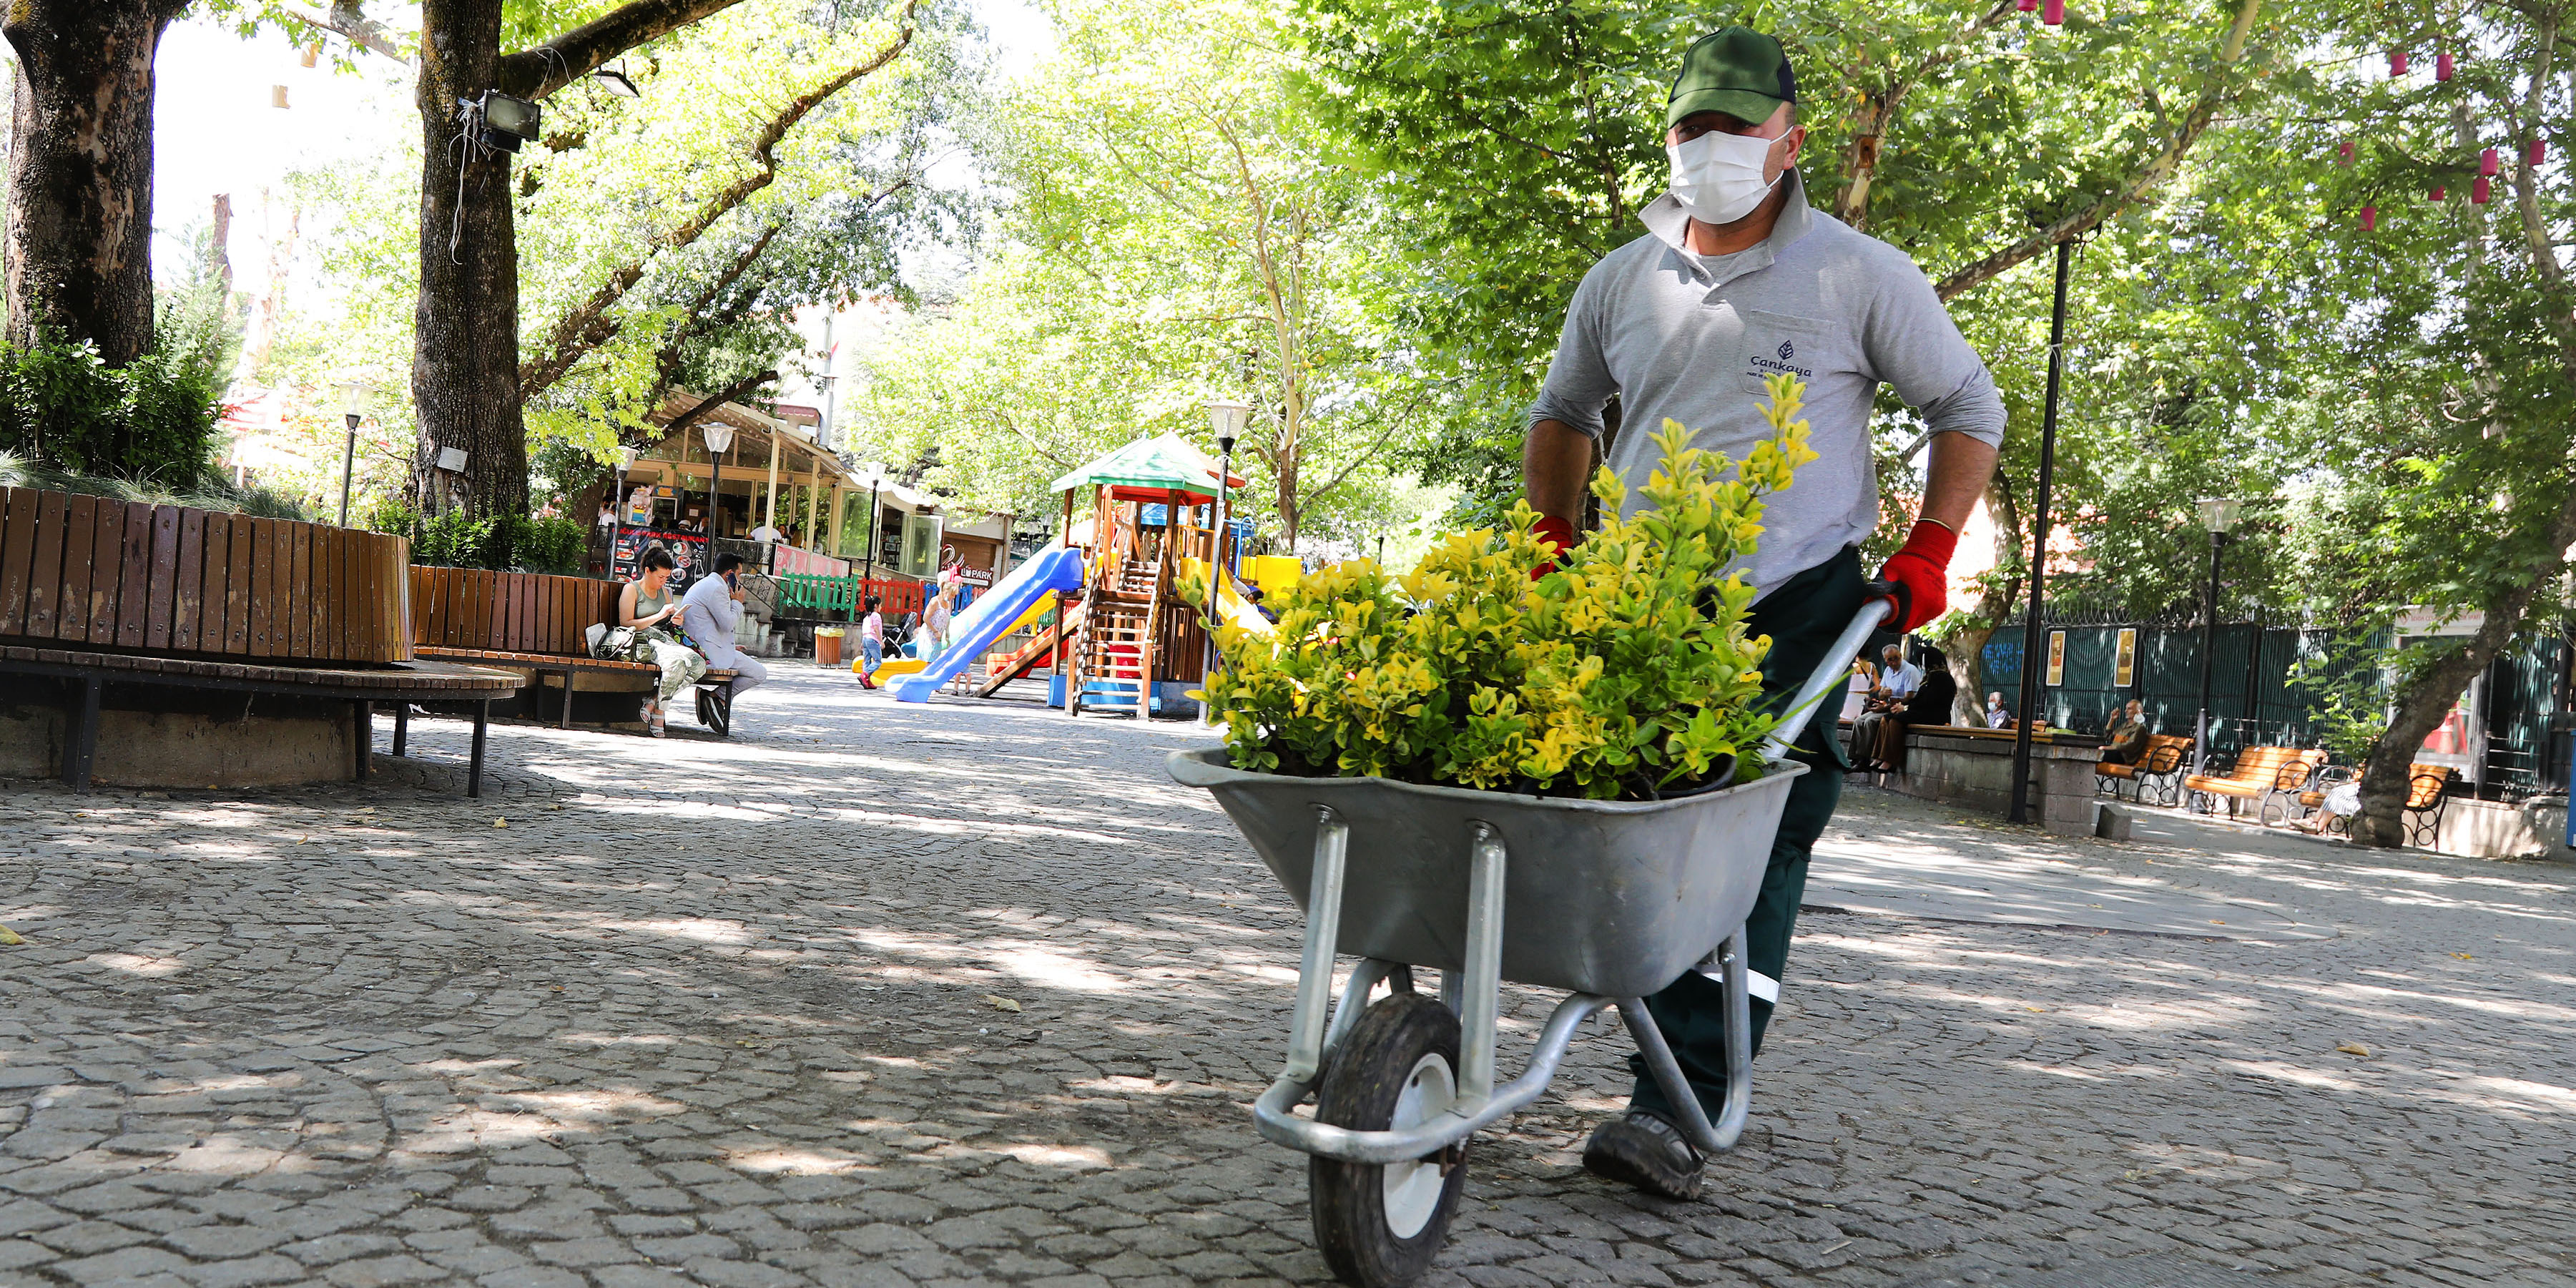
(114,575)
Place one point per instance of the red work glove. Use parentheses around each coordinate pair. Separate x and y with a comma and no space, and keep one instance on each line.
(1558,532)
(1921,574)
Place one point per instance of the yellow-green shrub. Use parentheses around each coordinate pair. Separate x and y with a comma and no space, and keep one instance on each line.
(1626,668)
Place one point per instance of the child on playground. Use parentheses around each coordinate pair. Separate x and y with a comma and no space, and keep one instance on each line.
(871,643)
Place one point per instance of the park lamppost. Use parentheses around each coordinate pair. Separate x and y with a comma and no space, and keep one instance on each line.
(1227,419)
(2031,690)
(2218,515)
(353,405)
(617,508)
(719,438)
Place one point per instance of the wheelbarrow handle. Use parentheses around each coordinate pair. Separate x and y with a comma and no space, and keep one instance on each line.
(1833,672)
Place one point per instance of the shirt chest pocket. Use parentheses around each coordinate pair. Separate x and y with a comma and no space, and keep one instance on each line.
(1786,344)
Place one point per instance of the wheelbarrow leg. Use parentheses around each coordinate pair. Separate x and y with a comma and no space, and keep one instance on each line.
(1739,1056)
(1481,982)
(1323,926)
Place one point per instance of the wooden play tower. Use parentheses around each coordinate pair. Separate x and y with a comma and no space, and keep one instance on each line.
(1132,640)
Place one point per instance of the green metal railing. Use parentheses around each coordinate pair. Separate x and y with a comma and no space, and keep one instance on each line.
(830,598)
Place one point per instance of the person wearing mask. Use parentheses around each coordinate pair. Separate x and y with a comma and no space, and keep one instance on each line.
(1996,716)
(709,613)
(2128,734)
(648,608)
(1738,278)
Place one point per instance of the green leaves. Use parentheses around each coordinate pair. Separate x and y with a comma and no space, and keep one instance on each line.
(1624,670)
(1178,231)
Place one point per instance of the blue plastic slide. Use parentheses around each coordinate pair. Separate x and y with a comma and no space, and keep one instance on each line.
(992,613)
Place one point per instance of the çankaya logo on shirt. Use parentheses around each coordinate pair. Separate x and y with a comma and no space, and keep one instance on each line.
(1763,366)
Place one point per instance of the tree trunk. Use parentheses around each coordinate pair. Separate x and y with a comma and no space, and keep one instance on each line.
(465,354)
(80,176)
(2422,702)
(1860,159)
(1967,645)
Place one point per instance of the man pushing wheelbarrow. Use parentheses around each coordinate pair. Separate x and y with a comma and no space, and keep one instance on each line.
(1737,279)
(1584,761)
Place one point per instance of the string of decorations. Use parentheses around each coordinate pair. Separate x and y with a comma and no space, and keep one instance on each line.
(2490,162)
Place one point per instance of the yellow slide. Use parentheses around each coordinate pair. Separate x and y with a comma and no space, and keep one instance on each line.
(1231,603)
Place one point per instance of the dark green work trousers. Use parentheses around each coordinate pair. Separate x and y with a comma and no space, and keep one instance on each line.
(1802,617)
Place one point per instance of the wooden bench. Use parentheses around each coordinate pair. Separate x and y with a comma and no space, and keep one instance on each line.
(2159,766)
(534,623)
(2260,774)
(2428,789)
(93,573)
(544,664)
(98,592)
(89,673)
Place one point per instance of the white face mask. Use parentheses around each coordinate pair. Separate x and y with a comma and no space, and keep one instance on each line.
(1718,177)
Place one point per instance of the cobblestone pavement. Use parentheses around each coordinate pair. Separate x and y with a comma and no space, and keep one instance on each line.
(725,1013)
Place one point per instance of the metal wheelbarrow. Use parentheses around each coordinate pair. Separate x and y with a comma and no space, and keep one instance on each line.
(1607,900)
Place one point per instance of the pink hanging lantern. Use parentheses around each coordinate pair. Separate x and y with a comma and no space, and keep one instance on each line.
(2343,154)
(2441,67)
(2478,192)
(2436,194)
(2029,6)
(2489,164)
(2396,63)
(2537,151)
(2053,12)
(2369,218)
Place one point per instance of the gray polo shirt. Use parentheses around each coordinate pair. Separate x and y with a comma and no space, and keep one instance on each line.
(1690,337)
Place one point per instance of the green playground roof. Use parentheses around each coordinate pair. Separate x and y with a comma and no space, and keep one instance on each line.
(1163,463)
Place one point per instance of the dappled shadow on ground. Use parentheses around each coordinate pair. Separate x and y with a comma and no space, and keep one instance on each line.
(975,993)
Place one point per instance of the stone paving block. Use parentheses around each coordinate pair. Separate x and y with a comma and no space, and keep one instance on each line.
(85,1238)
(774,1063)
(122,1264)
(382,1272)
(639,1277)
(211,1242)
(333,1248)
(532,1277)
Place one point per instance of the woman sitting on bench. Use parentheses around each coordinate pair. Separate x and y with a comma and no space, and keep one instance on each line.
(648,607)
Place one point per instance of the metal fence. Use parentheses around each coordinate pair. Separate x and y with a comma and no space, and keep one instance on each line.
(2267,688)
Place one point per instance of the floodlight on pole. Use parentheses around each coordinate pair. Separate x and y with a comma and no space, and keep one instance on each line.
(353,406)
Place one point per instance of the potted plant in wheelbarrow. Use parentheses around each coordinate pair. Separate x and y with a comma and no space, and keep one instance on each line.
(1507,765)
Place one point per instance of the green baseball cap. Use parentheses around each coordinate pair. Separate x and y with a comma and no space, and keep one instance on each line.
(1738,71)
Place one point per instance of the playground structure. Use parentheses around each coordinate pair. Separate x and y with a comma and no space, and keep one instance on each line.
(1123,638)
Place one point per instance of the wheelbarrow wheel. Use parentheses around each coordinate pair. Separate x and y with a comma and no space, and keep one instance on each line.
(1380,1225)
